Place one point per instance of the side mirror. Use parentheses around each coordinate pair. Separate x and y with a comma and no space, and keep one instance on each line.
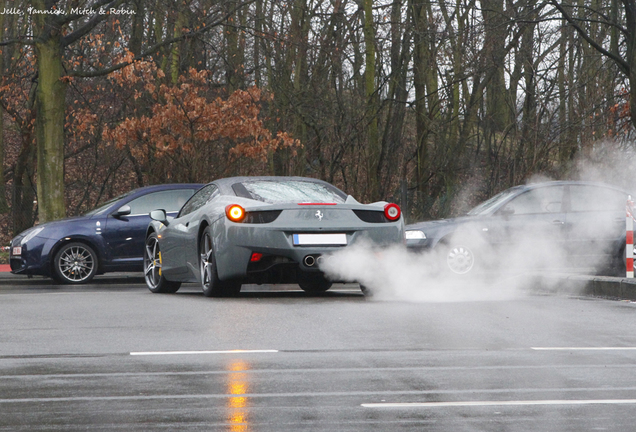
(160,216)
(123,211)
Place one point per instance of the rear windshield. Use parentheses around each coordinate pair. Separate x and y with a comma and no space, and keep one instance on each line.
(296,191)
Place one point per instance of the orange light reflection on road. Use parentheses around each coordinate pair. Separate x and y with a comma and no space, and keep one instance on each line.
(237,387)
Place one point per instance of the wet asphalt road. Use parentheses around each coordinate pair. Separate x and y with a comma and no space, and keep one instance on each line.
(113,356)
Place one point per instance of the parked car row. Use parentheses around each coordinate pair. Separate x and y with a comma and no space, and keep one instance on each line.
(231,231)
(277,229)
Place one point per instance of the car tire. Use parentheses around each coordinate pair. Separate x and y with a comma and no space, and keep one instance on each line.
(155,280)
(75,263)
(458,258)
(313,283)
(210,282)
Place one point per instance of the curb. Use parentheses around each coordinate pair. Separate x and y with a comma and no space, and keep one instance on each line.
(5,268)
(592,286)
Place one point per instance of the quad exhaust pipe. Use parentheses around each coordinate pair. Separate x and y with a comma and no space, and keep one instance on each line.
(312,260)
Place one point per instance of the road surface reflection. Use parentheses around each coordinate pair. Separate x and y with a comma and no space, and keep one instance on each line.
(237,388)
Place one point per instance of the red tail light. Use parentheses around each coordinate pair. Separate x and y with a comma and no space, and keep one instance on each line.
(392,212)
(235,212)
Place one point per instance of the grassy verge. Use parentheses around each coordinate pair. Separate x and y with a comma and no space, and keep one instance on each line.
(4,257)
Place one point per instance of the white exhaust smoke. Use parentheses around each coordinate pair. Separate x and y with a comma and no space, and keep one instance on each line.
(394,273)
(506,269)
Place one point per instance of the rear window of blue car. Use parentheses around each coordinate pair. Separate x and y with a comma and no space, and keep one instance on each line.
(296,191)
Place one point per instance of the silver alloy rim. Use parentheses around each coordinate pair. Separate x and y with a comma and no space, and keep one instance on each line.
(460,259)
(206,266)
(152,263)
(76,263)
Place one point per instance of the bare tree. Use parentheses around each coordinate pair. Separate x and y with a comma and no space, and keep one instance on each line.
(587,18)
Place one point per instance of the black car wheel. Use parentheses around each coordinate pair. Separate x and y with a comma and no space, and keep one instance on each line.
(156,282)
(75,263)
(459,258)
(313,283)
(210,282)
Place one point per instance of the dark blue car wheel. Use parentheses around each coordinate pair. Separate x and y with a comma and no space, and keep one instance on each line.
(75,263)
(155,280)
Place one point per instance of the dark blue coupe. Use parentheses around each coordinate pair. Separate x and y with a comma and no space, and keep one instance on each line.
(106,239)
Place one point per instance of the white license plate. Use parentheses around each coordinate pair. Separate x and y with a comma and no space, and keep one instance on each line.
(320,239)
(17,251)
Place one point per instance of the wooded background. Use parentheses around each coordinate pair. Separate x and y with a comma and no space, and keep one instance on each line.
(434,105)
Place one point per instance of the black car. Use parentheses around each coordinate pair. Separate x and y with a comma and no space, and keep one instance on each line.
(561,223)
(107,239)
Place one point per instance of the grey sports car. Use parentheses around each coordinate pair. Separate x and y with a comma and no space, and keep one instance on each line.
(261,230)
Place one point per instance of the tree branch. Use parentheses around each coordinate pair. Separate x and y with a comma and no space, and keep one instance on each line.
(65,19)
(622,64)
(89,25)
(153,49)
(19,40)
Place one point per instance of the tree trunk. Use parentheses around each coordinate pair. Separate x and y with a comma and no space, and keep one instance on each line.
(397,96)
(300,30)
(4,207)
(175,63)
(373,144)
(23,189)
(137,28)
(528,132)
(234,44)
(50,106)
(496,31)
(630,55)
(258,28)
(420,64)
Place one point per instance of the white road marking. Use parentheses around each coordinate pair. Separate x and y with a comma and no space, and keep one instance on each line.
(583,348)
(499,403)
(155,353)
